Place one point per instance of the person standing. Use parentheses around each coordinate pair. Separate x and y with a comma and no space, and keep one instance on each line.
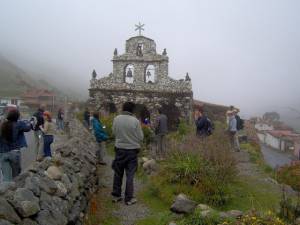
(239,126)
(86,118)
(232,130)
(48,130)
(201,123)
(129,135)
(231,108)
(12,140)
(60,119)
(161,130)
(101,137)
(38,121)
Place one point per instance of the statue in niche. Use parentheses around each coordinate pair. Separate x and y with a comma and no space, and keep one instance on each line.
(115,52)
(94,74)
(164,52)
(139,51)
(187,77)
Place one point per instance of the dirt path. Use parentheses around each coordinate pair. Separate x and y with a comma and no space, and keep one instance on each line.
(120,214)
(248,169)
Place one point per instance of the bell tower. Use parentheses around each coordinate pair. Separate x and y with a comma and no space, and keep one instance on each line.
(140,63)
(140,75)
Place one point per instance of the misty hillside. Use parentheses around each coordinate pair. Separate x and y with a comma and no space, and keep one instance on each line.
(14,81)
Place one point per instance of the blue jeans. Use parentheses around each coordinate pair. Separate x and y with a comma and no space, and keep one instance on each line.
(60,124)
(10,163)
(48,140)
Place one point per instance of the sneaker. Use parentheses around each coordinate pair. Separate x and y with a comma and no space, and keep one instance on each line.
(131,201)
(116,199)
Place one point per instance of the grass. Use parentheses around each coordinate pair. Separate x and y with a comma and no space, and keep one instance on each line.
(290,175)
(100,209)
(159,209)
(250,193)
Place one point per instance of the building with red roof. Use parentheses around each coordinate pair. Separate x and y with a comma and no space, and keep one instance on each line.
(35,97)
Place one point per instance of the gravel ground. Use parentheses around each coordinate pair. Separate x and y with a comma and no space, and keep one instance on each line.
(29,155)
(127,215)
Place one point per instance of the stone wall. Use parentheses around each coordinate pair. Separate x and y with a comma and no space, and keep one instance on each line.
(174,105)
(53,192)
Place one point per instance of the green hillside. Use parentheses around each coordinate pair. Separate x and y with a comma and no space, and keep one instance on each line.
(14,81)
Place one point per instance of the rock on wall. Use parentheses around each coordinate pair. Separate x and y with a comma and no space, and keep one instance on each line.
(55,191)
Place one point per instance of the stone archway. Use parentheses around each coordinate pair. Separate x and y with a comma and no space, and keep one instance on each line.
(173,114)
(142,112)
(111,107)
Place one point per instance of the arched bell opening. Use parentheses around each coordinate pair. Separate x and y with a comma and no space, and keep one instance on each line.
(129,74)
(150,74)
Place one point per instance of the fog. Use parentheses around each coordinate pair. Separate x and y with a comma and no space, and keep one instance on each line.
(239,52)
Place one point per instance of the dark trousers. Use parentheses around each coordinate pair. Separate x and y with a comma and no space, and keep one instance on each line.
(125,160)
(48,140)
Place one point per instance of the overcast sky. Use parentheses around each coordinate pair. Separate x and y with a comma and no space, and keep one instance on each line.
(240,52)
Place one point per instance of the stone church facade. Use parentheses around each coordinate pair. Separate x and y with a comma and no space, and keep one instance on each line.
(141,75)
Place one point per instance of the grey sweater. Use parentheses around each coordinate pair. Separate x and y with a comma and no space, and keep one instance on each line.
(232,126)
(128,132)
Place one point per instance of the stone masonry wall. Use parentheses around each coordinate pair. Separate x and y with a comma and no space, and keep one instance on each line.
(180,102)
(53,192)
(175,97)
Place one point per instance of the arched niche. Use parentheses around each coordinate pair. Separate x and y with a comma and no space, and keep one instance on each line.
(142,113)
(129,74)
(173,114)
(150,74)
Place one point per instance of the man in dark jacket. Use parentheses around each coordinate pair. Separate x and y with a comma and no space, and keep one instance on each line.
(161,129)
(37,121)
(12,140)
(201,123)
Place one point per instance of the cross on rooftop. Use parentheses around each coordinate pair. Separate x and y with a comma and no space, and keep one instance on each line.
(139,27)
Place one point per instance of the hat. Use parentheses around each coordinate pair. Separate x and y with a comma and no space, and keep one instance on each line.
(236,110)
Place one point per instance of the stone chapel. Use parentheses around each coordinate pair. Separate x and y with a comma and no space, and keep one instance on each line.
(141,75)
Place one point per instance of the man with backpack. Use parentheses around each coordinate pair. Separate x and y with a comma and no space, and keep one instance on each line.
(204,126)
(239,121)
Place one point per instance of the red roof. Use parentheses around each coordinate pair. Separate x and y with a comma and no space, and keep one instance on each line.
(38,93)
(284,133)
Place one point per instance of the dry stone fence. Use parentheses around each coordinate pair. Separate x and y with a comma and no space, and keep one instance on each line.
(55,191)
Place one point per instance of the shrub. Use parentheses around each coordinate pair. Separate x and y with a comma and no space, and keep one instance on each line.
(148,135)
(203,164)
(79,116)
(107,121)
(182,131)
(255,218)
(290,175)
(197,219)
(183,128)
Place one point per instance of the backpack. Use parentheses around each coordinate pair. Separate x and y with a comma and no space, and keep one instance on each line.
(34,122)
(239,123)
(210,127)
